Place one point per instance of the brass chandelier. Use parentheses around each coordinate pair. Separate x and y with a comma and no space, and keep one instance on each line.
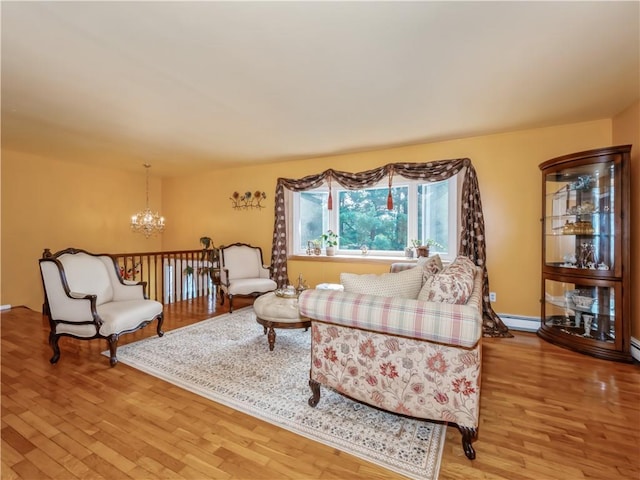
(147,222)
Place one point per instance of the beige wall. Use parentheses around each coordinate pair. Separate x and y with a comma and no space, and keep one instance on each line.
(626,130)
(69,207)
(510,183)
(53,204)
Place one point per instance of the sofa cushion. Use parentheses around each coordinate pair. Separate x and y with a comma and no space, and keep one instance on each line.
(453,284)
(405,284)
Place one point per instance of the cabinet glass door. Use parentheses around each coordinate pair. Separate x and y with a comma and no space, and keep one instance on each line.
(579,222)
(587,311)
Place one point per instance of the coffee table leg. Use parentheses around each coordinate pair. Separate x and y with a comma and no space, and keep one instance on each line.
(271,336)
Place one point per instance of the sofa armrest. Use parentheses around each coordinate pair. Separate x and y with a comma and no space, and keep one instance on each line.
(432,321)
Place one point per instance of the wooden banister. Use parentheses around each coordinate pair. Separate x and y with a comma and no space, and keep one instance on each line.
(171,276)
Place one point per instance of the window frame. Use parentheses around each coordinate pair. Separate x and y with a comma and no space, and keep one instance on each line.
(454,222)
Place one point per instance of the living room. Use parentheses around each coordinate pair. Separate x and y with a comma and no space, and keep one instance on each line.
(68,198)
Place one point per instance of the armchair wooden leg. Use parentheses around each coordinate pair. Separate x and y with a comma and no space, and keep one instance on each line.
(113,346)
(53,341)
(230,303)
(468,435)
(160,322)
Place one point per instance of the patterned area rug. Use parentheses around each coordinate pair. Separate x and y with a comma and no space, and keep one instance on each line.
(227,360)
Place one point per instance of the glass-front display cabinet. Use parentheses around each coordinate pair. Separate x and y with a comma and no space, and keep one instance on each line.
(585,252)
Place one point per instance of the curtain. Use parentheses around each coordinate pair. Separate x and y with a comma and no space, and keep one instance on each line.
(472,240)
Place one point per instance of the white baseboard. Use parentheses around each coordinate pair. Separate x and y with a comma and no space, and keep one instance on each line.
(531,324)
(635,349)
(5,307)
(519,322)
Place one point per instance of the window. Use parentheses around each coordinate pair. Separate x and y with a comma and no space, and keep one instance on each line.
(360,217)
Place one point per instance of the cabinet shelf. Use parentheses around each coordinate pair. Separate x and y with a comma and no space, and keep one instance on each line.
(585,244)
(572,216)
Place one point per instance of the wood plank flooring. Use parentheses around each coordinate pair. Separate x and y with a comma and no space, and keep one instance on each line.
(546,413)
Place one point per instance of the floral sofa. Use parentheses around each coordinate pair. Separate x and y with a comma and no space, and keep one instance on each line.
(407,342)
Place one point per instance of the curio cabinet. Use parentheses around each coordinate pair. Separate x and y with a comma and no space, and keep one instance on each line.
(585,252)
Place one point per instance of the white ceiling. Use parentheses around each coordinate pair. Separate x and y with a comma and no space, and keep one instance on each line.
(189,86)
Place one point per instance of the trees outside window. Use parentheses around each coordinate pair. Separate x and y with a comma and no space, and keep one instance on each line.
(361,218)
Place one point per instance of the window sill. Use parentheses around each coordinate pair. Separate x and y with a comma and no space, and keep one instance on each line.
(352,259)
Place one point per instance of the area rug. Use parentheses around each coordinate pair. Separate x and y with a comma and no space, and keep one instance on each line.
(227,359)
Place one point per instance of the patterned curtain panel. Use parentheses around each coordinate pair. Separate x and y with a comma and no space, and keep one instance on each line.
(472,240)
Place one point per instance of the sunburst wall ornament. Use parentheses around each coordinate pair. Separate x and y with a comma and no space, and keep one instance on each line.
(147,222)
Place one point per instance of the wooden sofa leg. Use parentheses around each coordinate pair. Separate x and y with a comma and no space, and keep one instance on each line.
(230,303)
(160,322)
(315,390)
(53,341)
(468,435)
(113,346)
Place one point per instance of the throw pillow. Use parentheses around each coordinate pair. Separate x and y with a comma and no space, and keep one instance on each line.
(405,284)
(431,264)
(453,284)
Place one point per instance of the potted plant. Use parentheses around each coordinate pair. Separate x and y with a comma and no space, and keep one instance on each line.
(330,239)
(209,254)
(423,249)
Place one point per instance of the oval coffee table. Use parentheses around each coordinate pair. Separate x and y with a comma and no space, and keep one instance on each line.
(273,311)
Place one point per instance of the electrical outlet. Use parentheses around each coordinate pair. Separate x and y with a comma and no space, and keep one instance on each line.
(492,296)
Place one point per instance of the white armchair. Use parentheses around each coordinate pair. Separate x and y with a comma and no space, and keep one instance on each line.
(86,298)
(242,273)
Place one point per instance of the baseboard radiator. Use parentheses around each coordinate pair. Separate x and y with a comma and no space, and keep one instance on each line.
(521,323)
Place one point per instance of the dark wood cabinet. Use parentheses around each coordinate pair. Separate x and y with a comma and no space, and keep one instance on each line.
(585,252)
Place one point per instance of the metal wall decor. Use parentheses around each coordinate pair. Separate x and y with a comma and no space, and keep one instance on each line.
(248,200)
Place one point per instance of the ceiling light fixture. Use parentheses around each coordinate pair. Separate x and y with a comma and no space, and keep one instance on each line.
(147,222)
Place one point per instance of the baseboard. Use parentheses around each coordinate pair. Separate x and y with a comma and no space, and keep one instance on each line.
(5,307)
(635,349)
(519,322)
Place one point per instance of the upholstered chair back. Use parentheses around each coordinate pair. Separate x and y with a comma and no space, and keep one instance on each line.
(243,262)
(88,274)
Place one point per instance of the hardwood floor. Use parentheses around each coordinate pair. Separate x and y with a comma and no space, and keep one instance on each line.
(546,413)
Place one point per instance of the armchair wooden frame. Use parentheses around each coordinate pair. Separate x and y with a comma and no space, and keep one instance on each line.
(243,284)
(106,308)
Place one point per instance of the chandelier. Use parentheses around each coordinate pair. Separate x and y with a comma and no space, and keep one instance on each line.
(147,222)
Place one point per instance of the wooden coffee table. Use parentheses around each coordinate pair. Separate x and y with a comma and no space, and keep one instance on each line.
(273,311)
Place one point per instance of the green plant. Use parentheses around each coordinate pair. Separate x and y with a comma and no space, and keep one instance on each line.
(432,243)
(429,242)
(209,254)
(330,238)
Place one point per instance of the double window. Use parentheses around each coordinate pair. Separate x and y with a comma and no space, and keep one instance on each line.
(421,211)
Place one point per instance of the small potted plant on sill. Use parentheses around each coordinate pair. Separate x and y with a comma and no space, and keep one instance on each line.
(330,239)
(423,250)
